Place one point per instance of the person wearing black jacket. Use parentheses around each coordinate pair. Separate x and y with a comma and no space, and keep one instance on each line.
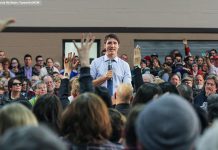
(14,95)
(210,88)
(85,79)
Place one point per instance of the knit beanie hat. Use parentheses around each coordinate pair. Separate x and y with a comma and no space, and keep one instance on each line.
(167,123)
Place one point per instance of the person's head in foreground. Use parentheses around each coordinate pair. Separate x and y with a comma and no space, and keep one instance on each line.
(167,123)
(15,115)
(31,138)
(209,140)
(86,120)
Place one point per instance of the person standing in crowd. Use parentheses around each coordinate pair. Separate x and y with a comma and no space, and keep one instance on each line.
(124,57)
(49,69)
(39,63)
(200,61)
(2,54)
(118,73)
(144,68)
(213,68)
(169,60)
(6,68)
(210,88)
(15,66)
(175,79)
(27,70)
(198,84)
(195,70)
(213,52)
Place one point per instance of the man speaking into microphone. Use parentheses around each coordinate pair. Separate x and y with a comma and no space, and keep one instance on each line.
(109,70)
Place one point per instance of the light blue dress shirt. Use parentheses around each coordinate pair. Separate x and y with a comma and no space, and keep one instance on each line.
(120,68)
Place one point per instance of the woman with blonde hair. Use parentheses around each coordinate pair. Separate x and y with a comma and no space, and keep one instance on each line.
(15,115)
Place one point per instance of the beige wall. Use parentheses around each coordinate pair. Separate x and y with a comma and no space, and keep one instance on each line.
(114,13)
(50,44)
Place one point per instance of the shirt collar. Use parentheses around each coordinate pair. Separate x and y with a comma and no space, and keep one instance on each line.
(106,58)
(26,67)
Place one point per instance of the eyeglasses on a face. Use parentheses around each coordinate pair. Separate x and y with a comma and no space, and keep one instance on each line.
(17,84)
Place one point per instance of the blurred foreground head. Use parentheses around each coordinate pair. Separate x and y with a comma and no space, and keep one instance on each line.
(168,122)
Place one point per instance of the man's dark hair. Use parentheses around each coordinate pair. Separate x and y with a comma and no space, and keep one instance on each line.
(146,92)
(103,93)
(168,56)
(48,110)
(130,133)
(27,55)
(10,82)
(168,87)
(117,125)
(111,36)
(213,50)
(38,56)
(186,92)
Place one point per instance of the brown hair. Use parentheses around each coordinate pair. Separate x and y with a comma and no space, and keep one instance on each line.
(111,36)
(212,77)
(86,120)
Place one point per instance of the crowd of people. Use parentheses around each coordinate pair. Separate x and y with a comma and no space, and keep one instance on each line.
(108,105)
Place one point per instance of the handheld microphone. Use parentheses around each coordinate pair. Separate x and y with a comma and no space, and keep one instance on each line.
(110,65)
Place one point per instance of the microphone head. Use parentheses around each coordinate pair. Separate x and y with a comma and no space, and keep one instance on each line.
(110,65)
